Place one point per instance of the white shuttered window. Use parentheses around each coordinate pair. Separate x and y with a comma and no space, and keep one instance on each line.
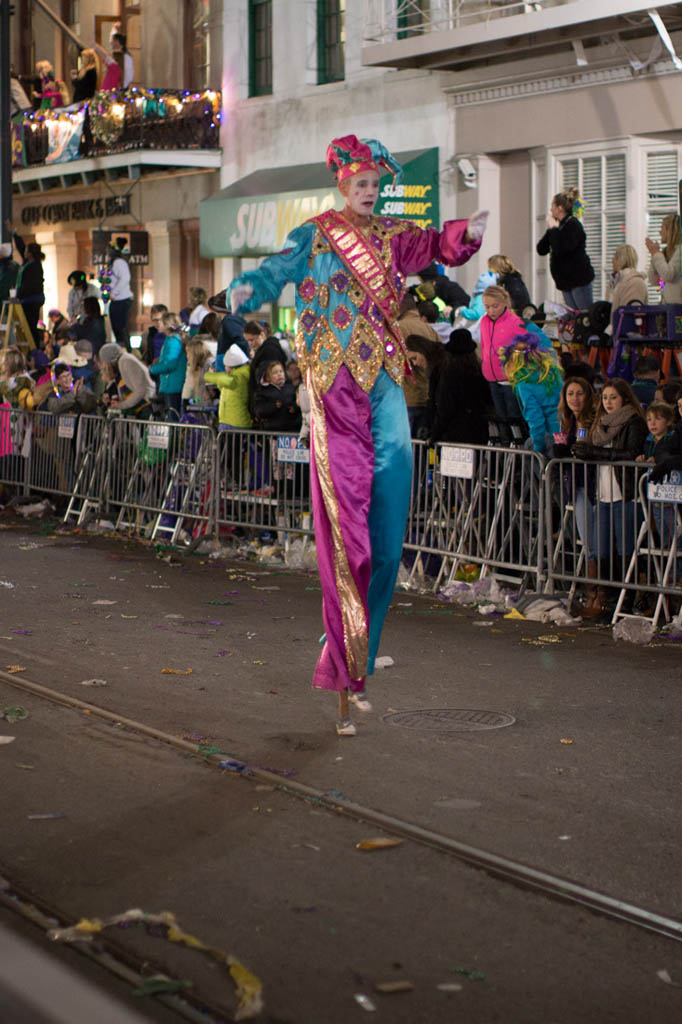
(662,182)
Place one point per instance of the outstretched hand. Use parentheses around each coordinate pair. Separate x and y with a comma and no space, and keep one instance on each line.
(476,225)
(239,295)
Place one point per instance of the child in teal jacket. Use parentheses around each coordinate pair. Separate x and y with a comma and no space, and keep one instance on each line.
(171,366)
(532,367)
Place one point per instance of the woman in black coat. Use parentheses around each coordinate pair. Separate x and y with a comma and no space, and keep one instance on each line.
(564,240)
(30,282)
(459,395)
(92,325)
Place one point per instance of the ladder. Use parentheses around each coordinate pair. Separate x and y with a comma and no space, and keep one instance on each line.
(14,329)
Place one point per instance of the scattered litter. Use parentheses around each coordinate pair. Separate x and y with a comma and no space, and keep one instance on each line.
(164,925)
(224,654)
(384,662)
(21,632)
(545,608)
(220,602)
(253,587)
(313,588)
(41,508)
(156,984)
(390,987)
(176,672)
(26,767)
(381,843)
(634,630)
(46,817)
(487,609)
(12,669)
(665,976)
(93,682)
(482,623)
(105,602)
(540,641)
(364,1001)
(564,837)
(234,766)
(4,740)
(469,973)
(128,616)
(257,661)
(173,616)
(515,614)
(449,986)
(565,741)
(404,604)
(14,714)
(6,583)
(311,846)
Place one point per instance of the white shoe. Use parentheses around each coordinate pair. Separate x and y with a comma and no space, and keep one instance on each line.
(344,727)
(360,701)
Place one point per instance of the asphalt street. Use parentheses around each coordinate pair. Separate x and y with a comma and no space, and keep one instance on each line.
(278,881)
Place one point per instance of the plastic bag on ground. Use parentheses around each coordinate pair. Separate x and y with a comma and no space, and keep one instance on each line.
(634,630)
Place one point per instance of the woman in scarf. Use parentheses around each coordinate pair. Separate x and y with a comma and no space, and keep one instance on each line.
(618,435)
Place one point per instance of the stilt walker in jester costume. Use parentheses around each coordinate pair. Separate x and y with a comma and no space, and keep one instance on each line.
(349,269)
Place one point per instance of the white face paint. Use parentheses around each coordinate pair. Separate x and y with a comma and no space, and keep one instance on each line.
(361,192)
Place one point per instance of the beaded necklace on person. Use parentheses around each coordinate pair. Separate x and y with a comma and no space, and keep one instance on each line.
(56,390)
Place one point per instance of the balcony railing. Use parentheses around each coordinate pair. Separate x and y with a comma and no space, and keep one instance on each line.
(388,23)
(115,122)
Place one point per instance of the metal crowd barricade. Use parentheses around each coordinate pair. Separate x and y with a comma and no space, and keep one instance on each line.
(263,484)
(161,478)
(53,462)
(481,505)
(602,530)
(90,487)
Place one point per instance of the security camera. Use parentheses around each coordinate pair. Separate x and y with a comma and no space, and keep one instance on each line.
(468,171)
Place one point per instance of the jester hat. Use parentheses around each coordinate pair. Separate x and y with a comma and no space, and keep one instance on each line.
(349,155)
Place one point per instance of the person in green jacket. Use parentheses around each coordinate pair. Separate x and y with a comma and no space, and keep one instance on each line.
(171,366)
(233,411)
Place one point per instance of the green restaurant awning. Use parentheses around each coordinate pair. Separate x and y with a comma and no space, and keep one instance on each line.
(253,216)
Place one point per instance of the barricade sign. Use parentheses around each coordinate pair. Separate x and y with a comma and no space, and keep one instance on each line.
(158,435)
(670,491)
(66,427)
(455,461)
(292,449)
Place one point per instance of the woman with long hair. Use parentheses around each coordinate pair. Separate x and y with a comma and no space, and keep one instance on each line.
(665,268)
(85,82)
(565,242)
(509,278)
(617,435)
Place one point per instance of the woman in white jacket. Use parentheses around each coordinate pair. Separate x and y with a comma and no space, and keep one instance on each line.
(627,284)
(666,263)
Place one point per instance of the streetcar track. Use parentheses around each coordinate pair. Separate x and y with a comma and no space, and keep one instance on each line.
(495,865)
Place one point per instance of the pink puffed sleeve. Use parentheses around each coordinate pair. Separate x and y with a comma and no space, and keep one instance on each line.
(414,248)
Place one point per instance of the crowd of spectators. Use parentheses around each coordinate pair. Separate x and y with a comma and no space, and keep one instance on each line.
(98,69)
(500,380)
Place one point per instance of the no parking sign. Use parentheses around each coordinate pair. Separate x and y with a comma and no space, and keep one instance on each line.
(292,449)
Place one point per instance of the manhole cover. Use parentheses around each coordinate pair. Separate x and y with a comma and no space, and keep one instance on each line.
(449,719)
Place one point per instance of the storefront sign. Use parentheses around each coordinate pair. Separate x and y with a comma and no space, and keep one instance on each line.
(416,198)
(136,248)
(259,225)
(78,209)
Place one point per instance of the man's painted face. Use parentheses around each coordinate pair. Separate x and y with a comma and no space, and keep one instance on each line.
(361,192)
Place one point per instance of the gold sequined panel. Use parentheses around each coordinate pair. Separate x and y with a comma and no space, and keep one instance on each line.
(364,354)
(394,361)
(326,355)
(323,296)
(320,245)
(302,355)
(356,294)
(386,233)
